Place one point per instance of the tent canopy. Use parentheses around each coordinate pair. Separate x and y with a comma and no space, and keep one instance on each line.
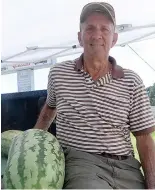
(45,30)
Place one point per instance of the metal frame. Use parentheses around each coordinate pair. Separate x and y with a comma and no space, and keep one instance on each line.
(42,63)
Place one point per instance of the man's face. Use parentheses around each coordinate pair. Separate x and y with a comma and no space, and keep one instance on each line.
(97,35)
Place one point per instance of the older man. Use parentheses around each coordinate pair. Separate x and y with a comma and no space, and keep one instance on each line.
(98,103)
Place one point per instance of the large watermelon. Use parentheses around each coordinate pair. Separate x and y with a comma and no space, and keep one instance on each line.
(6,140)
(36,161)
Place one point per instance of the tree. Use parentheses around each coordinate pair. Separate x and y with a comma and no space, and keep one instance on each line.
(152,95)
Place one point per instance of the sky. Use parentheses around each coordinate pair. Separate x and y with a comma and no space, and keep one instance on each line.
(49,23)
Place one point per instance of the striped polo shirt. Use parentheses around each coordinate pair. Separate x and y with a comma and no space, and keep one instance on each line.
(98,116)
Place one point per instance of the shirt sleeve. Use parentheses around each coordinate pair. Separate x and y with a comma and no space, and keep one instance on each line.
(141,116)
(51,97)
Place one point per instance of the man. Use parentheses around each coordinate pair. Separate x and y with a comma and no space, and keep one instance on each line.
(98,103)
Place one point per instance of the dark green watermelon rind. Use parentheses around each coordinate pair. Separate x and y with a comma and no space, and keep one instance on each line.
(53,183)
(56,149)
(41,165)
(21,161)
(6,140)
(7,175)
(4,148)
(59,161)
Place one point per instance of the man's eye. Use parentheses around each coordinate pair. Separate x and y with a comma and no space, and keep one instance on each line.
(89,29)
(105,29)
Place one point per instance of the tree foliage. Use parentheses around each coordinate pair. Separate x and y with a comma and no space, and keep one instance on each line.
(151,93)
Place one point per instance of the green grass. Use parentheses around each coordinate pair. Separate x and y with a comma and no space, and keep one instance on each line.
(153,135)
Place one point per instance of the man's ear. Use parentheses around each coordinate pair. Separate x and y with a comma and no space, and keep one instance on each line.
(79,39)
(115,38)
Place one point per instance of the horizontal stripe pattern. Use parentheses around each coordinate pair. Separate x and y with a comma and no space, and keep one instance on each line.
(98,116)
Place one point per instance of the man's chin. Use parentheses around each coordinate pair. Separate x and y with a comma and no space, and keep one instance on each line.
(98,53)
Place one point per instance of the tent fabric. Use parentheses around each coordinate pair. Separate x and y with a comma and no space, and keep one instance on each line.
(46,23)
(32,54)
(56,23)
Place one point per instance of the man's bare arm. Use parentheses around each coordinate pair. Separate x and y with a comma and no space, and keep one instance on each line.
(146,150)
(46,117)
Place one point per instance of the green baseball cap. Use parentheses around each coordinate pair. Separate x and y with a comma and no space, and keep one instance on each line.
(102,7)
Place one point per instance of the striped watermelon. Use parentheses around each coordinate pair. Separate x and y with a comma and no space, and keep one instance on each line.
(6,140)
(36,161)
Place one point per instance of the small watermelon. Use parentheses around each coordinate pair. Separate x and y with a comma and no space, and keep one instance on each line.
(36,161)
(6,140)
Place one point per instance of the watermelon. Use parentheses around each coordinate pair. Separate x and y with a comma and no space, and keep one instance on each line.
(6,140)
(36,161)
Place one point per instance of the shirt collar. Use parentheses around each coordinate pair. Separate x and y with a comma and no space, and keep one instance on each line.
(117,71)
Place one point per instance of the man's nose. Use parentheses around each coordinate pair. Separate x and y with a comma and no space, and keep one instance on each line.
(97,34)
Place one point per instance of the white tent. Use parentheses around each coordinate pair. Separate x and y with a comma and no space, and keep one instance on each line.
(36,33)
